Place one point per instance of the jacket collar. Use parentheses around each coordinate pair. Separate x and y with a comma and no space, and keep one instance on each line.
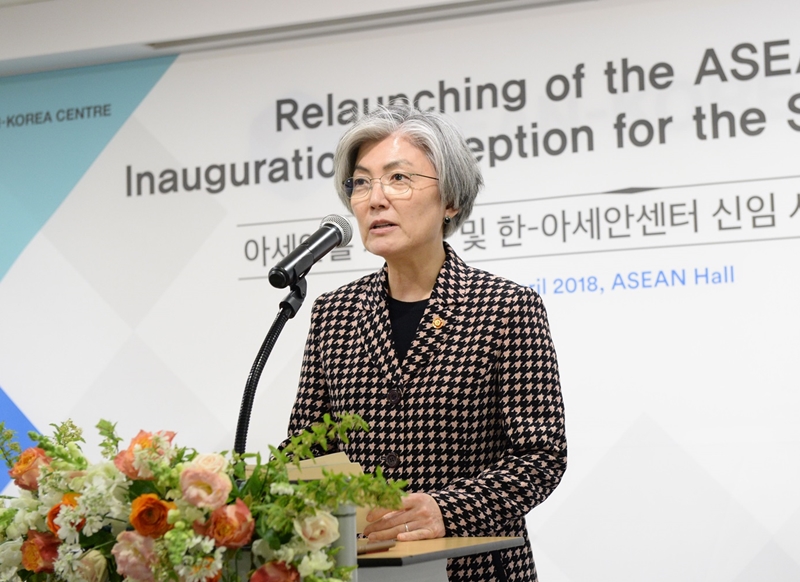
(449,290)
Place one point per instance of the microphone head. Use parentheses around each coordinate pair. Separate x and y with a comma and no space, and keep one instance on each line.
(340,223)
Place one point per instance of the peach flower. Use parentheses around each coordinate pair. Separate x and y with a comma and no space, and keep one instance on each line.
(135,555)
(39,551)
(92,566)
(25,471)
(318,531)
(204,488)
(124,461)
(276,572)
(230,526)
(213,462)
(149,515)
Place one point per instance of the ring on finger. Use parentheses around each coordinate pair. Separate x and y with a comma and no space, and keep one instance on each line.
(406,526)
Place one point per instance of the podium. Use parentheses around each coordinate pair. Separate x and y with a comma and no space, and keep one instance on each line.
(424,560)
(419,561)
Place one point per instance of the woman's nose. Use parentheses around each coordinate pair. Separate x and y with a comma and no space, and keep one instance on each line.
(376,195)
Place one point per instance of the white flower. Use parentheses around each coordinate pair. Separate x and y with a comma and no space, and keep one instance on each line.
(186,512)
(318,530)
(10,558)
(198,568)
(261,549)
(29,516)
(316,561)
(93,567)
(287,552)
(66,520)
(67,564)
(281,489)
(103,474)
(103,500)
(207,544)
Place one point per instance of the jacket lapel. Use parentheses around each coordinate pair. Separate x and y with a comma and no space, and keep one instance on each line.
(439,321)
(441,318)
(374,326)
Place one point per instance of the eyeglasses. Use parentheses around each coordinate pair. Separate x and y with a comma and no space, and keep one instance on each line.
(394,185)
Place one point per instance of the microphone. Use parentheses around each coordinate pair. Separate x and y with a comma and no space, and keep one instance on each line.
(334,231)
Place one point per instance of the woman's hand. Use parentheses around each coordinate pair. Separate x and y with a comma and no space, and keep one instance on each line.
(420,519)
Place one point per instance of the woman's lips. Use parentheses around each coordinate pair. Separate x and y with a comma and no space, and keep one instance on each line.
(381,226)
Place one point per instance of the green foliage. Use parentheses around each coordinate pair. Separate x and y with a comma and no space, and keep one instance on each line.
(63,447)
(364,490)
(166,477)
(319,436)
(141,487)
(67,432)
(275,514)
(6,518)
(109,446)
(9,448)
(338,573)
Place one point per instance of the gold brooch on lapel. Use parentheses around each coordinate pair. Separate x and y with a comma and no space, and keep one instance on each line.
(437,322)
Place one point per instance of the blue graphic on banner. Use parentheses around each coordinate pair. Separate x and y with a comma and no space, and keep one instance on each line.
(19,423)
(52,127)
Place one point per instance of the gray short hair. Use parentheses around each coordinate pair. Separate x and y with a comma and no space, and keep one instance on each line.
(459,176)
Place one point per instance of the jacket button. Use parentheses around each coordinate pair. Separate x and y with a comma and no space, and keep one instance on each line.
(392,460)
(394,396)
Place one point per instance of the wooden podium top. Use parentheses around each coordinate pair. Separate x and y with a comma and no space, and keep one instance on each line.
(406,553)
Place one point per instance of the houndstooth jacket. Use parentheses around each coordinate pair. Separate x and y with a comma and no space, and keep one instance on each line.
(473,417)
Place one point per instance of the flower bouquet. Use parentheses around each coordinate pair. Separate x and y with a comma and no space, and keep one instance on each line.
(156,512)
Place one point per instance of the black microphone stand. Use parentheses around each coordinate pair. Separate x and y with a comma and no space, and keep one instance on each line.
(288,309)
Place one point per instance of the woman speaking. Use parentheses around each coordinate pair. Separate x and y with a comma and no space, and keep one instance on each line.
(453,368)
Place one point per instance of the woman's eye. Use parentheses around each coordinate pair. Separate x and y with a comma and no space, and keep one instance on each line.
(360,182)
(398,177)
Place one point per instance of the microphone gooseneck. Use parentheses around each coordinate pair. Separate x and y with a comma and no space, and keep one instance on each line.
(334,231)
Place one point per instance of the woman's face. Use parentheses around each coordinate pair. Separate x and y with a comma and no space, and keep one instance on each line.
(399,229)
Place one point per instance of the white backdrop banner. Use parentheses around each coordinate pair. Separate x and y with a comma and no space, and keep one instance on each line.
(642,174)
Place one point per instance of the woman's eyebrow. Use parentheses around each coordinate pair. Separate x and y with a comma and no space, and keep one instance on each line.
(387,166)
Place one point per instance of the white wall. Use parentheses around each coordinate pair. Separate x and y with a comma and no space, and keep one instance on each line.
(68,33)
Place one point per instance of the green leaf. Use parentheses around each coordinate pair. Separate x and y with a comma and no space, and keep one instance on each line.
(9,448)
(67,432)
(110,443)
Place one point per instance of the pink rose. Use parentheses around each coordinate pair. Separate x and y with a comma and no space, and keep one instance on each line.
(275,572)
(25,471)
(318,531)
(230,526)
(144,440)
(135,555)
(204,488)
(92,566)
